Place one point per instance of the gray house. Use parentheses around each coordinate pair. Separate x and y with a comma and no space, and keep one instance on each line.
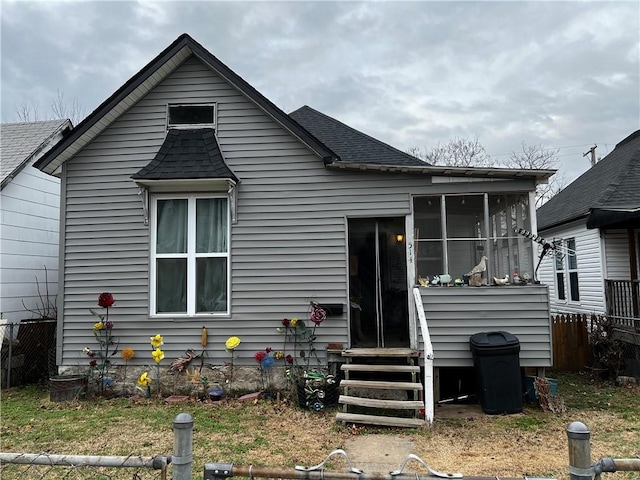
(197,202)
(597,218)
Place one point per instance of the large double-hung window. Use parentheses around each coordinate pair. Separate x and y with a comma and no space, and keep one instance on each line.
(190,255)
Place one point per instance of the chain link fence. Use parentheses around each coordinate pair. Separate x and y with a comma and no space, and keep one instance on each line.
(43,466)
(27,354)
(615,346)
(20,466)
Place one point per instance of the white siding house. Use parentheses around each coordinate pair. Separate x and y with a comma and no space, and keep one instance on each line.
(30,209)
(598,218)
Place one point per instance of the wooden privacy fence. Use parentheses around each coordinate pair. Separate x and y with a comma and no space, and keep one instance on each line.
(570,335)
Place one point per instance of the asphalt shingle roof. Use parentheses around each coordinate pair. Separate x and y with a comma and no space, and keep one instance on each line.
(349,144)
(612,182)
(187,154)
(20,141)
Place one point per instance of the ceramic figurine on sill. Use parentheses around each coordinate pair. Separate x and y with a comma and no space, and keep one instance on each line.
(435,280)
(501,281)
(480,267)
(424,282)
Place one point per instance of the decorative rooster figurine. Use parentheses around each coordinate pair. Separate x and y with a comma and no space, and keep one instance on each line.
(180,363)
(480,267)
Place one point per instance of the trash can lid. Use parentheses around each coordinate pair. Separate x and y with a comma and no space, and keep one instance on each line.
(493,340)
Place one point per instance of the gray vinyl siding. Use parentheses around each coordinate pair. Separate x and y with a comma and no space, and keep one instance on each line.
(590,270)
(288,246)
(454,314)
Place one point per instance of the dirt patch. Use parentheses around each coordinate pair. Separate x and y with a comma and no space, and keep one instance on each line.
(379,453)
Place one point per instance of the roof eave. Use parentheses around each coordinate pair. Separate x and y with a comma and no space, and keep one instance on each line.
(563,222)
(118,103)
(505,173)
(183,181)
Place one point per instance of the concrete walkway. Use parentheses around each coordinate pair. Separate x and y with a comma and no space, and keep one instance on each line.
(383,453)
(378,453)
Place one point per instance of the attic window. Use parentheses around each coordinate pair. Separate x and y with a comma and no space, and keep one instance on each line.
(187,116)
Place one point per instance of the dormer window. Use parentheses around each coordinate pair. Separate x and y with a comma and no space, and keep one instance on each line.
(191,116)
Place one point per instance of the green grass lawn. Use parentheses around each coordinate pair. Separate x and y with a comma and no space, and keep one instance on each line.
(279,434)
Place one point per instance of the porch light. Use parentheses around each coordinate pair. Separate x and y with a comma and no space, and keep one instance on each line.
(399,237)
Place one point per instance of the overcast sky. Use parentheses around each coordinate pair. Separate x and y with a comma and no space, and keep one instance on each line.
(412,74)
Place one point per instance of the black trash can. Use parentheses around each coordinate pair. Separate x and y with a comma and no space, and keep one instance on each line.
(496,359)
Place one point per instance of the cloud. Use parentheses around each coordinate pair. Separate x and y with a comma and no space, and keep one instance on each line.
(408,73)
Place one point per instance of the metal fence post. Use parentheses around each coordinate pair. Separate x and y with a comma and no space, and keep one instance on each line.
(182,457)
(10,362)
(579,436)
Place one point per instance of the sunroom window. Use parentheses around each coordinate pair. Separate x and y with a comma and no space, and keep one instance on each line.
(190,255)
(454,232)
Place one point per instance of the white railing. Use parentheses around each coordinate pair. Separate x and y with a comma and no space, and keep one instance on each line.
(428,358)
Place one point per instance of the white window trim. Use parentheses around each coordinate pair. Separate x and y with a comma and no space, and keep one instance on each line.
(565,282)
(566,272)
(191,256)
(570,270)
(187,126)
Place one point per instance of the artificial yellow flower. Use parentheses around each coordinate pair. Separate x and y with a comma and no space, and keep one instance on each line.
(98,326)
(293,322)
(157,355)
(144,379)
(279,355)
(127,353)
(157,341)
(193,376)
(232,343)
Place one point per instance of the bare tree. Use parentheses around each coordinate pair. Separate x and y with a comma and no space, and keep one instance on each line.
(462,152)
(26,111)
(457,152)
(537,157)
(73,111)
(29,111)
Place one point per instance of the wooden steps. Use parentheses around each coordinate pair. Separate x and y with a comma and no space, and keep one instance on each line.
(381,387)
(380,420)
(377,403)
(391,385)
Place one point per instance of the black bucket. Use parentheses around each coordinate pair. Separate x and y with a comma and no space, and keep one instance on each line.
(66,388)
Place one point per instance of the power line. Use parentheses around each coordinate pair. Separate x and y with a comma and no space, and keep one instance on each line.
(606,145)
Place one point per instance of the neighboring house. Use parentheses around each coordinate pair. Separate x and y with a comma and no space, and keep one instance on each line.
(597,219)
(30,207)
(197,202)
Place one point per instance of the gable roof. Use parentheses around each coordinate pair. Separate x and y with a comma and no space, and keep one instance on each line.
(21,142)
(611,185)
(145,80)
(187,154)
(349,144)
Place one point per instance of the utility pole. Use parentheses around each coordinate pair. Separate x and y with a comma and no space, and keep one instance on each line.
(591,151)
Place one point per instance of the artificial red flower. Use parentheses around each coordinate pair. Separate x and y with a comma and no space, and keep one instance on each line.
(268,349)
(93,363)
(105,300)
(259,356)
(289,359)
(109,325)
(318,315)
(286,322)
